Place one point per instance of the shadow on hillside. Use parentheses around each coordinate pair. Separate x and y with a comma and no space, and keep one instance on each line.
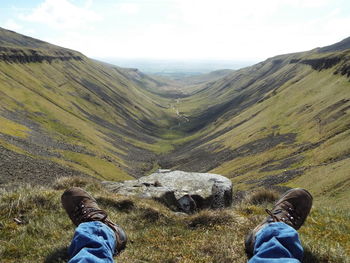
(60,255)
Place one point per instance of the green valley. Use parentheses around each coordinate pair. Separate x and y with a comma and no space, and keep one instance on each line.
(283,122)
(68,120)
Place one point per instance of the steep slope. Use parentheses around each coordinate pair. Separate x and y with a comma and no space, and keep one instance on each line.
(342,45)
(282,122)
(62,110)
(161,86)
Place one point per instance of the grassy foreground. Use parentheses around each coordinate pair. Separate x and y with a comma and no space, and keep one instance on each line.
(43,231)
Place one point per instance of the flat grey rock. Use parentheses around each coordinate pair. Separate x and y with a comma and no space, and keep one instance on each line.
(181,191)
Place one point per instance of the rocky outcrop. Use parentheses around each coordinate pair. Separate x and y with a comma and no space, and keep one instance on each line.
(342,62)
(180,191)
(344,69)
(319,63)
(13,55)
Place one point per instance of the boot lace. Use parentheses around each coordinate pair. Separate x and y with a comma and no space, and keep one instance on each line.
(286,214)
(86,214)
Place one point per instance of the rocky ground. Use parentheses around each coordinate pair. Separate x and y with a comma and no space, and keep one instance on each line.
(17,169)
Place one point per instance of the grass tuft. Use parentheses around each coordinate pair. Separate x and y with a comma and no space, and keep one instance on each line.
(207,218)
(261,196)
(88,183)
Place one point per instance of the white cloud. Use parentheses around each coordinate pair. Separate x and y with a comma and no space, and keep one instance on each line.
(225,12)
(12,25)
(200,29)
(255,28)
(307,3)
(88,4)
(128,8)
(62,14)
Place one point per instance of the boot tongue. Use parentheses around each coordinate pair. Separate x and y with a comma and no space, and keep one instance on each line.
(98,217)
(93,214)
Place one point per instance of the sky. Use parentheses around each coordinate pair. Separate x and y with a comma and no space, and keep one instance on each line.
(244,30)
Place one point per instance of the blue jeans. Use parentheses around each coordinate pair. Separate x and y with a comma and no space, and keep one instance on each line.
(277,242)
(93,242)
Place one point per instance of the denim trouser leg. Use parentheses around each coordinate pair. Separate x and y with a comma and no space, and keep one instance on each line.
(92,242)
(277,242)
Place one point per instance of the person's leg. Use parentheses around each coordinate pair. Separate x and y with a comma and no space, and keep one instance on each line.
(276,239)
(277,242)
(96,238)
(92,242)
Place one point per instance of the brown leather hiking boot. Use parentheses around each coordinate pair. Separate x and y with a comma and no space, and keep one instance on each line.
(82,207)
(292,208)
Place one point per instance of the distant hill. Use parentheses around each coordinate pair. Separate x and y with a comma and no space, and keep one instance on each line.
(202,78)
(178,69)
(340,46)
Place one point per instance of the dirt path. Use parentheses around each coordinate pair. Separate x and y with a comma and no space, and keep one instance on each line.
(181,117)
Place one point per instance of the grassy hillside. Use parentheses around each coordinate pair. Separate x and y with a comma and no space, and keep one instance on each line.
(43,231)
(59,106)
(283,122)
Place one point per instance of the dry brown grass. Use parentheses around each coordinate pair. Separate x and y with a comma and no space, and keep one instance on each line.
(209,218)
(261,196)
(88,183)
